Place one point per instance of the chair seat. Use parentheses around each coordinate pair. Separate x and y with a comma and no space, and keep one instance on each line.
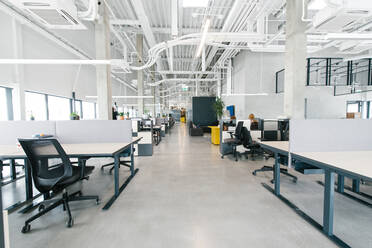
(76,175)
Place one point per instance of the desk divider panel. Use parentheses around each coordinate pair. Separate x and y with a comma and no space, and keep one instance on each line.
(94,131)
(10,131)
(330,135)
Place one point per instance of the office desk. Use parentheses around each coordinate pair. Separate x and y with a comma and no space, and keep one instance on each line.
(353,164)
(157,133)
(80,151)
(215,134)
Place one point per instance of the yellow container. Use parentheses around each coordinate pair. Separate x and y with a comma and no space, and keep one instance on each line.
(215,135)
(183,119)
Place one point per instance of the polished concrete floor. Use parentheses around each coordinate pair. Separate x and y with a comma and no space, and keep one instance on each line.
(185,195)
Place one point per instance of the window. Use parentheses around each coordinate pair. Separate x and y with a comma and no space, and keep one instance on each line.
(3,105)
(353,107)
(35,106)
(88,110)
(58,108)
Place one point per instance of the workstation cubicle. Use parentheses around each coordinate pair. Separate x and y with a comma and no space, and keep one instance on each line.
(336,148)
(79,141)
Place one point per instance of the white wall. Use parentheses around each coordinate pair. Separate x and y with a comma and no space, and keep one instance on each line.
(255,73)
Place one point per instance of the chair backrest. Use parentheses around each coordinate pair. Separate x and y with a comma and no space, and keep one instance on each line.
(48,162)
(238,129)
(246,137)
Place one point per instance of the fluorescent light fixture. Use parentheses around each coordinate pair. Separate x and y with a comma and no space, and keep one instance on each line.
(124,97)
(54,62)
(203,38)
(348,36)
(316,5)
(194,3)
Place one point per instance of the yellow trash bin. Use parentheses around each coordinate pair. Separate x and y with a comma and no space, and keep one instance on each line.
(215,135)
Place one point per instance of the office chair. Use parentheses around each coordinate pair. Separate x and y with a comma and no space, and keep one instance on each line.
(235,140)
(252,147)
(52,171)
(126,153)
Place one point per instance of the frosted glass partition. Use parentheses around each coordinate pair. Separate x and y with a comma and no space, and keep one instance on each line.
(330,135)
(94,131)
(10,131)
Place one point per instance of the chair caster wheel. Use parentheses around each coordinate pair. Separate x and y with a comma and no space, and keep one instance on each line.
(253,173)
(272,181)
(26,228)
(295,180)
(70,223)
(98,202)
(222,156)
(41,207)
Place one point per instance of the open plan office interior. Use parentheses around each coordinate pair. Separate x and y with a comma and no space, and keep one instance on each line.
(185,123)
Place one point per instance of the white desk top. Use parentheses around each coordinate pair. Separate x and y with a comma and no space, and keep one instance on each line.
(279,145)
(356,162)
(92,149)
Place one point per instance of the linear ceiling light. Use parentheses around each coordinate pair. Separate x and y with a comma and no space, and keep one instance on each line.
(124,97)
(203,38)
(195,3)
(348,36)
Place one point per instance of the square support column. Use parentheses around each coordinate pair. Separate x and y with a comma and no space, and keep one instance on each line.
(103,72)
(295,61)
(139,46)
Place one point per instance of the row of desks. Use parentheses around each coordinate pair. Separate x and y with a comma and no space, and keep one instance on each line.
(81,152)
(352,164)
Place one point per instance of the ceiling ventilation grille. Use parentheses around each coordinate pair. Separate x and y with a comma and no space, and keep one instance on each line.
(54,14)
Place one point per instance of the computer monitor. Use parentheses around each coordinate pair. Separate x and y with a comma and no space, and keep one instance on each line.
(231,109)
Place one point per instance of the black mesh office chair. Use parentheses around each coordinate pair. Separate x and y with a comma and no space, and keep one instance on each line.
(53,172)
(235,140)
(253,148)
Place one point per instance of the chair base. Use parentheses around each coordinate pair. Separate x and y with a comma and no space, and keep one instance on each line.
(66,198)
(271,168)
(125,163)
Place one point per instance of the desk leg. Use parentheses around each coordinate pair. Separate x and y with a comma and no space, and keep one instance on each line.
(132,159)
(13,173)
(28,180)
(340,183)
(277,175)
(328,203)
(356,185)
(1,169)
(116,173)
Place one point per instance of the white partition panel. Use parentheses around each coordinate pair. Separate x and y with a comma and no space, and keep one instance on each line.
(10,131)
(330,135)
(94,131)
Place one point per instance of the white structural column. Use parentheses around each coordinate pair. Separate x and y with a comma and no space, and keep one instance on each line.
(295,61)
(153,91)
(219,83)
(139,46)
(103,72)
(19,96)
